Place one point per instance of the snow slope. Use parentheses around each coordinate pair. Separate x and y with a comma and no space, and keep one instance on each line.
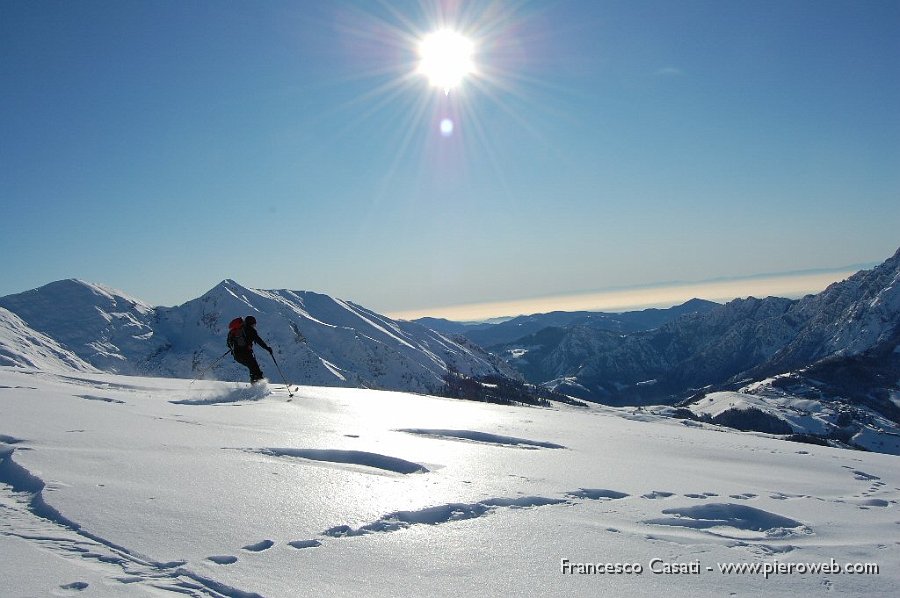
(20,346)
(127,486)
(102,326)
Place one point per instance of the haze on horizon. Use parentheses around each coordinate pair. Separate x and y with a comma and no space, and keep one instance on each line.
(791,286)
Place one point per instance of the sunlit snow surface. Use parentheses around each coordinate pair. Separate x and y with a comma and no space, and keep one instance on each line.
(120,486)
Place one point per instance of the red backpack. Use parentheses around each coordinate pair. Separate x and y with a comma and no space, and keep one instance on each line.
(237,338)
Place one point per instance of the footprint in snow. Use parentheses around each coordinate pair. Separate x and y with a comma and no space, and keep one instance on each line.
(744,496)
(861,475)
(363,459)
(259,546)
(596,494)
(300,544)
(223,559)
(101,399)
(783,496)
(657,494)
(872,502)
(727,520)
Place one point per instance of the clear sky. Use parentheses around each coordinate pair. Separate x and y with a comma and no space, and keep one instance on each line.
(160,147)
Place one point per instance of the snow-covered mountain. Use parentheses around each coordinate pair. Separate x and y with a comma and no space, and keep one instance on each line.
(22,347)
(102,326)
(317,339)
(745,338)
(848,318)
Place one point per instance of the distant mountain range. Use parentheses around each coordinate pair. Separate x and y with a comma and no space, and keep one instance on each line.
(318,340)
(719,345)
(514,329)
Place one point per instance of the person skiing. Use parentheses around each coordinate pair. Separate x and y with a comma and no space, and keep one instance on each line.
(241,336)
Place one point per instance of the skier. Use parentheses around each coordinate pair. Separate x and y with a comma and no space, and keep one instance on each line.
(241,336)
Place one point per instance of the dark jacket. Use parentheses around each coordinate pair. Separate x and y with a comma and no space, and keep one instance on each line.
(253,337)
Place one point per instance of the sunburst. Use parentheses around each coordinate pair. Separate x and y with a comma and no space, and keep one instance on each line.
(446,58)
(432,75)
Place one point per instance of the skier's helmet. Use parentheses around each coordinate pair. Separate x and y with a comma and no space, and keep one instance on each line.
(250,320)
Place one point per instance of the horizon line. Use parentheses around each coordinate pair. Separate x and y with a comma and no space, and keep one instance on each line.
(664,295)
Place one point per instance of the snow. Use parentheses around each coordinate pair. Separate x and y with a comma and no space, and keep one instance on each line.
(134,486)
(20,346)
(803,415)
(373,324)
(717,403)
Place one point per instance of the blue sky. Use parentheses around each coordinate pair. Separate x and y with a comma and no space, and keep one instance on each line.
(160,147)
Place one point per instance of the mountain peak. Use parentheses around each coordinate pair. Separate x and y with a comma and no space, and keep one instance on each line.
(231,287)
(697,303)
(71,288)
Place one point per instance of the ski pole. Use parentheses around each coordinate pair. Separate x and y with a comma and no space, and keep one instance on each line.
(290,394)
(214,364)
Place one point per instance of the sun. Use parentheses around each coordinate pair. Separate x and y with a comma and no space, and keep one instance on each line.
(446,58)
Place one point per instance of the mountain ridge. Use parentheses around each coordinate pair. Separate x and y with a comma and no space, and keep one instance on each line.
(512,329)
(318,340)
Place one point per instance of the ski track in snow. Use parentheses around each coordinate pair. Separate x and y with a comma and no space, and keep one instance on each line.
(27,516)
(96,384)
(237,395)
(482,437)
